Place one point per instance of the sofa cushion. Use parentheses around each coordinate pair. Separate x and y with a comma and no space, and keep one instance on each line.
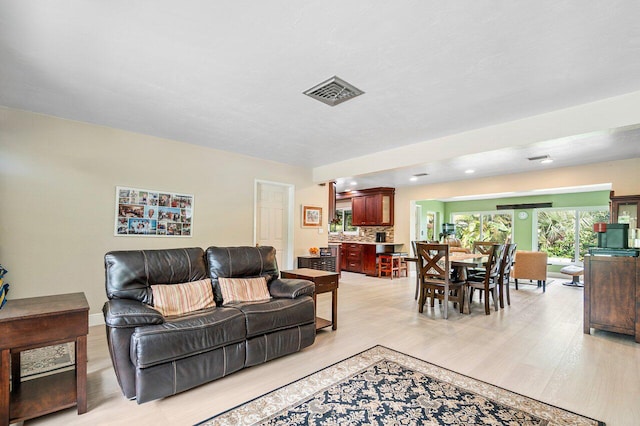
(236,290)
(186,335)
(130,273)
(277,314)
(179,299)
(240,262)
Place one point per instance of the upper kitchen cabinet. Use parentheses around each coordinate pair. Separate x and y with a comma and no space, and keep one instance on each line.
(371,207)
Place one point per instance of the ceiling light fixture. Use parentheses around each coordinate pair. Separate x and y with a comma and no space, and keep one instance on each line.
(353,183)
(413,178)
(469,171)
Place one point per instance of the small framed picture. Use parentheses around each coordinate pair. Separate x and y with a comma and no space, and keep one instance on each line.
(311,217)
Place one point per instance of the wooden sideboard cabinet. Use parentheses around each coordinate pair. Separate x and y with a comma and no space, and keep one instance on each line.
(320,263)
(612,294)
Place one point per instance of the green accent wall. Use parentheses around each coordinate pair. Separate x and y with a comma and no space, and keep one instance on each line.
(433,206)
(522,228)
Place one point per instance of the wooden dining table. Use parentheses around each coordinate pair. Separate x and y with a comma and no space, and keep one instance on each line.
(463,261)
(460,263)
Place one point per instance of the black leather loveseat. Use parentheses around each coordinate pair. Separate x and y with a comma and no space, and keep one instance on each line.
(156,356)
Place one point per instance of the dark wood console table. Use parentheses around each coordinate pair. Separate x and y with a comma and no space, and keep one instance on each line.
(325,282)
(34,323)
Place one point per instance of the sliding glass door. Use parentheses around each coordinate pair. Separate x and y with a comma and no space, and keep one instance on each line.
(567,234)
(483,226)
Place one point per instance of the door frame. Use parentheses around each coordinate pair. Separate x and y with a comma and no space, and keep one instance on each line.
(290,218)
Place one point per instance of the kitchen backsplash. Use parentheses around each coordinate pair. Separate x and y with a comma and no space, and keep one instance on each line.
(367,234)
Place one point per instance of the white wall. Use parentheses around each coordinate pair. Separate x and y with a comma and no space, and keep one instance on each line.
(624,177)
(57,199)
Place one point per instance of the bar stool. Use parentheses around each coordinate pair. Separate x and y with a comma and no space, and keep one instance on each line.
(390,263)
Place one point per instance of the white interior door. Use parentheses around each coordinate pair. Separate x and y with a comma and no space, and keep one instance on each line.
(273,217)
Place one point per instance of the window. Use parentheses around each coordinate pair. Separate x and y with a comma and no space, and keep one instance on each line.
(567,234)
(342,222)
(482,226)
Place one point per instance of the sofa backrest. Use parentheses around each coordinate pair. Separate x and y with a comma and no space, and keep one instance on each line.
(129,274)
(240,262)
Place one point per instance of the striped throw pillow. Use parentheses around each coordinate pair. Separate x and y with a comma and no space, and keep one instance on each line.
(236,290)
(178,299)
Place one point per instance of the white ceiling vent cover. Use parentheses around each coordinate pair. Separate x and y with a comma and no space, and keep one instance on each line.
(333,91)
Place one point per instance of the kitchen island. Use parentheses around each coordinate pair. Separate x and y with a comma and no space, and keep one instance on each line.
(361,256)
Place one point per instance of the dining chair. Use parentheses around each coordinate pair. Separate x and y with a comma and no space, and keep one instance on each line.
(481,247)
(414,259)
(435,277)
(490,281)
(505,272)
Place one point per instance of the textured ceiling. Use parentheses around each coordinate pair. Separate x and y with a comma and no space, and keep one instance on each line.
(230,74)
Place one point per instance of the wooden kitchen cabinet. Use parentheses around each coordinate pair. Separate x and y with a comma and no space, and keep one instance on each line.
(372,207)
(360,258)
(369,265)
(353,257)
(612,294)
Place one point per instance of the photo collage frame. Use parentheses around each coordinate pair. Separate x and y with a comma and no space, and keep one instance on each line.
(144,212)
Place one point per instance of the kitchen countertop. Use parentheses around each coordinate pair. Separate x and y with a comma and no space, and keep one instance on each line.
(368,243)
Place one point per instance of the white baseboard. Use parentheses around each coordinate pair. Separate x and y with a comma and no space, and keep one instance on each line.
(96,319)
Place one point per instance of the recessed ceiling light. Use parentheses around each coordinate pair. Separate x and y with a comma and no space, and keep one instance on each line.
(469,171)
(353,182)
(544,159)
(413,178)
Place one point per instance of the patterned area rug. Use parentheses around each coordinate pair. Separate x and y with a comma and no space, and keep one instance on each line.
(42,361)
(382,386)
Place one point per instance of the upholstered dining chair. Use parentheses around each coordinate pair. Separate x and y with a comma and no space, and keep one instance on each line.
(490,281)
(435,277)
(530,265)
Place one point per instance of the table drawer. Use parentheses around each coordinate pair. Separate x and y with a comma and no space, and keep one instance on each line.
(326,286)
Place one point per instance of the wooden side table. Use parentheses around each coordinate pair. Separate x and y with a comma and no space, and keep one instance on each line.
(34,323)
(325,282)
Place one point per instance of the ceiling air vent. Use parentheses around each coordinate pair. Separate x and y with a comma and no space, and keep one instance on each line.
(421,174)
(333,91)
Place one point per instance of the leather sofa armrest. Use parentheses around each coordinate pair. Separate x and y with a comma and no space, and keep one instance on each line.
(125,313)
(291,288)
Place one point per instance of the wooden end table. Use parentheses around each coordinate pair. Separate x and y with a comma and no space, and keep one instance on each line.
(34,323)
(325,282)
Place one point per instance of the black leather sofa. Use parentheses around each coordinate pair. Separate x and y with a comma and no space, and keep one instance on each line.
(155,356)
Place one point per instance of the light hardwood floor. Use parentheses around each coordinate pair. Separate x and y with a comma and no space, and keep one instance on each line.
(535,347)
